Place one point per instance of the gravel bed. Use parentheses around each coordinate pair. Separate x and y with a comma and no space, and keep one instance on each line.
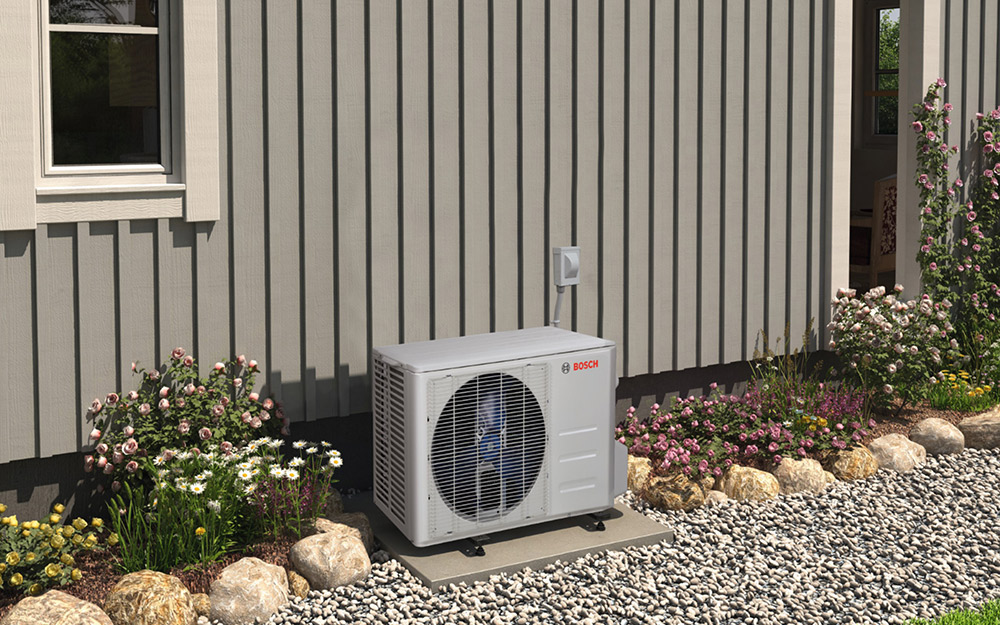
(877,551)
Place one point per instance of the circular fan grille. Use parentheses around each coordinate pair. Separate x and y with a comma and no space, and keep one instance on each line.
(488,446)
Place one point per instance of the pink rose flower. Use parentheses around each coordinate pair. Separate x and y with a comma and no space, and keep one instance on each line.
(95,406)
(111,399)
(930,135)
(168,455)
(178,353)
(134,366)
(95,434)
(226,446)
(238,382)
(224,401)
(940,82)
(219,366)
(190,389)
(918,127)
(268,404)
(255,422)
(204,434)
(933,266)
(184,426)
(164,391)
(948,106)
(254,396)
(253,364)
(117,457)
(130,447)
(154,375)
(265,415)
(180,403)
(188,361)
(128,430)
(109,469)
(88,463)
(144,409)
(218,410)
(101,449)
(116,486)
(132,466)
(101,462)
(971,215)
(241,360)
(132,395)
(246,417)
(164,404)
(201,390)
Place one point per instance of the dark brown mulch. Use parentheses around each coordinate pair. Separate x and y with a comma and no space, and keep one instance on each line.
(100,574)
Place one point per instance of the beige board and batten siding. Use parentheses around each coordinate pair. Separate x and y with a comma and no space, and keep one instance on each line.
(399,171)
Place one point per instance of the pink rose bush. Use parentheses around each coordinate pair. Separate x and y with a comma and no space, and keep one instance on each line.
(174,408)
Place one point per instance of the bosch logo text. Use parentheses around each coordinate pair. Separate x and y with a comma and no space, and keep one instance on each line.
(584,364)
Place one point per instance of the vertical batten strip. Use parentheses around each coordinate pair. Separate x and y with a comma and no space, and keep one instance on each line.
(560,110)
(477,169)
(663,181)
(989,66)
(815,300)
(754,173)
(734,67)
(586,138)
(532,103)
(710,207)
(318,200)
(614,179)
(637,307)
(797,175)
(504,141)
(447,183)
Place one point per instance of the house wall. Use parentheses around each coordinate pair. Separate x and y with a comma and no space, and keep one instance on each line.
(398,171)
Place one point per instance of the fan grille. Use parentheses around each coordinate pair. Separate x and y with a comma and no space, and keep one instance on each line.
(488,442)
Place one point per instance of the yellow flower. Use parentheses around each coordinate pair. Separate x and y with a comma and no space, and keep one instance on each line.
(57,541)
(3,508)
(113,539)
(68,530)
(16,579)
(3,567)
(77,539)
(35,589)
(91,540)
(76,575)
(822,422)
(54,518)
(987,388)
(67,559)
(29,557)
(200,531)
(97,522)
(79,524)
(53,570)
(12,520)
(25,533)
(812,428)
(34,525)
(59,508)
(47,529)
(13,558)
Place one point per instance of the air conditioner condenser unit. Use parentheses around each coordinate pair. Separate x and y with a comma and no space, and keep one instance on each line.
(479,434)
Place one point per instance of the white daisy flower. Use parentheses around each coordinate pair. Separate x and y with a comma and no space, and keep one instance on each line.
(262,441)
(296,462)
(245,474)
(163,485)
(291,474)
(276,471)
(299,444)
(214,506)
(250,488)
(184,455)
(198,488)
(252,446)
(324,444)
(244,465)
(333,453)
(255,472)
(158,461)
(181,486)
(162,473)
(336,462)
(208,457)
(275,443)
(312,450)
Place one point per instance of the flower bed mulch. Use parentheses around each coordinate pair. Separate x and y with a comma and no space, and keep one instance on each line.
(100,575)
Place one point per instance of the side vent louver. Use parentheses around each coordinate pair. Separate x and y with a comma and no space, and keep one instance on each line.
(390,439)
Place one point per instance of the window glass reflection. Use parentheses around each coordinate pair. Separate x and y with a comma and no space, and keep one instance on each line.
(105,99)
(137,12)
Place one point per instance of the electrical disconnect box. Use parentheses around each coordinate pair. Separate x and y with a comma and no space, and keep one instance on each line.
(566,265)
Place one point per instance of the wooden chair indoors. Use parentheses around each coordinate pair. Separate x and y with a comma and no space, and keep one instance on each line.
(880,227)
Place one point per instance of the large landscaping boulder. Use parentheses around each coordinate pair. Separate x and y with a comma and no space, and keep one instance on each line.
(330,559)
(748,484)
(248,589)
(982,431)
(713,497)
(150,598)
(938,437)
(798,476)
(856,463)
(55,608)
(356,522)
(895,452)
(674,492)
(638,473)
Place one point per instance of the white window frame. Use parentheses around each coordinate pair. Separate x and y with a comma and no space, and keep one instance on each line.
(187,184)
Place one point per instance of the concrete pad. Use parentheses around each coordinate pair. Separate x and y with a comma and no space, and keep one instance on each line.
(510,551)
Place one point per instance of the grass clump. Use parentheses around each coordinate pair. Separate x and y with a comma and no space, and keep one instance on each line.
(989,614)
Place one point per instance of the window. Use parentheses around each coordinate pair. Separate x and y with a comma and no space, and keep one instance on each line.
(109,110)
(882,94)
(108,88)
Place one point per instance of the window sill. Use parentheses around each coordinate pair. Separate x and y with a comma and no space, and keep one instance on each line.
(108,202)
